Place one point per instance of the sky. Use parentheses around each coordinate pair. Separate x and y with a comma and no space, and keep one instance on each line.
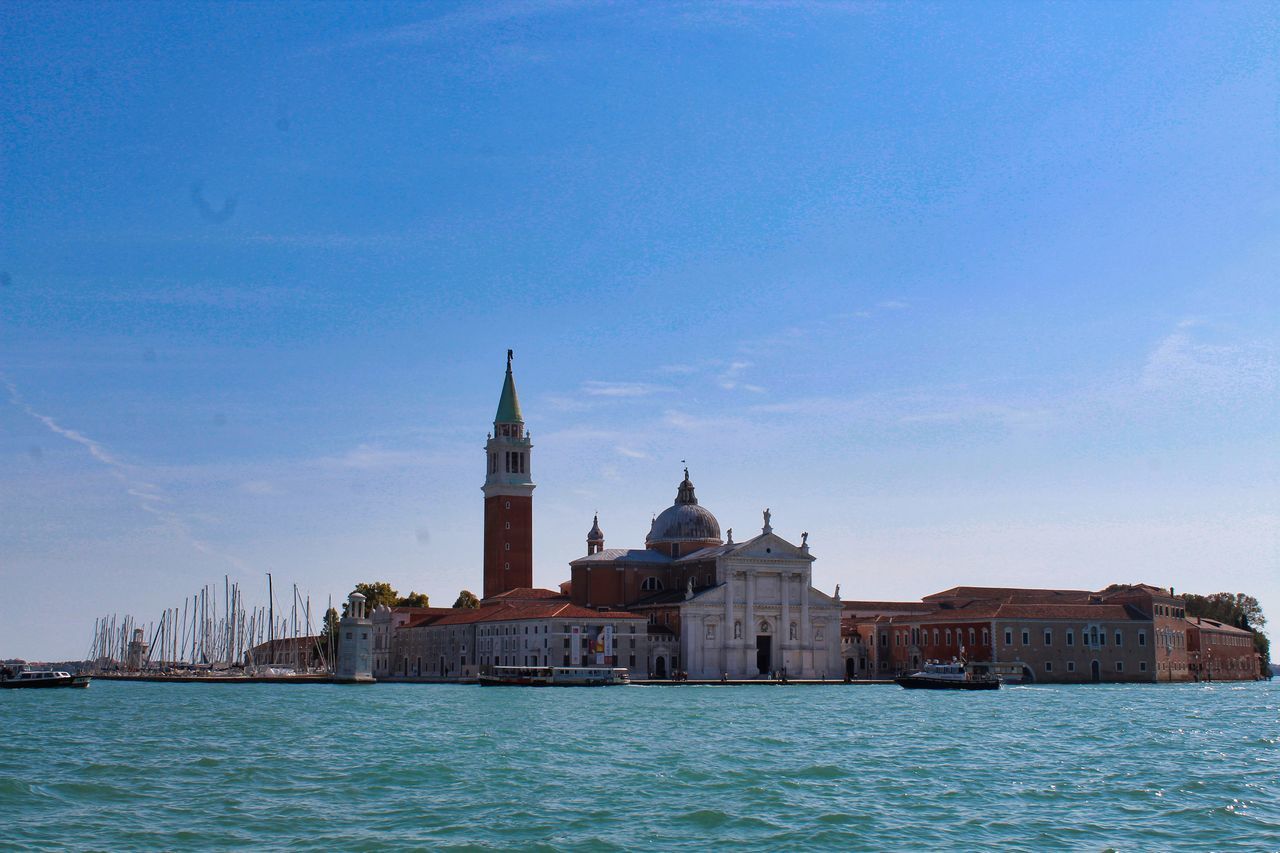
(974,294)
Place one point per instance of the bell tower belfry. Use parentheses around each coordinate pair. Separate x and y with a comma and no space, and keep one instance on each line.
(508,497)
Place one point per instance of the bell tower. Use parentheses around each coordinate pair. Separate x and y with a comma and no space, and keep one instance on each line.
(508,497)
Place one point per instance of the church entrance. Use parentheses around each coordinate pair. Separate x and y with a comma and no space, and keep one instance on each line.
(660,667)
(764,654)
(849,670)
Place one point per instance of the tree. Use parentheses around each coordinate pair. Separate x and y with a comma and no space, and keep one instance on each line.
(414,599)
(379,592)
(1238,609)
(467,599)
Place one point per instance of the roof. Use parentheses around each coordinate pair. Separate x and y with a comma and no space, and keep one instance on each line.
(526,593)
(1204,622)
(684,520)
(624,555)
(1091,612)
(522,610)
(872,607)
(1004,593)
(509,402)
(708,552)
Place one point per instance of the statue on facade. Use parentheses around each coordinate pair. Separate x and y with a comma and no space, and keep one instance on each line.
(837,595)
(688,590)
(804,539)
(767,516)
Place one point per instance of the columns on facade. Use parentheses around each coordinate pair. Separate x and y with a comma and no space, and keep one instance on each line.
(749,624)
(784,631)
(727,641)
(806,644)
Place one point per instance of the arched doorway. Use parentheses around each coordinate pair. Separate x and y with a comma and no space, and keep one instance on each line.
(1096,669)
(850,668)
(1028,676)
(660,667)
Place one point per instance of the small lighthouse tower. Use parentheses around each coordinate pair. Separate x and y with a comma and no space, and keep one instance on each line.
(508,497)
(355,632)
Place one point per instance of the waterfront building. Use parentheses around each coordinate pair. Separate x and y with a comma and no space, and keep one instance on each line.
(716,608)
(1217,651)
(1124,633)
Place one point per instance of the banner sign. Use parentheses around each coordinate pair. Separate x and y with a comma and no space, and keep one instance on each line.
(575,645)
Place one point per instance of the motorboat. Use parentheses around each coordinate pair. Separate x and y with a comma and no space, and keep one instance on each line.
(43,678)
(948,676)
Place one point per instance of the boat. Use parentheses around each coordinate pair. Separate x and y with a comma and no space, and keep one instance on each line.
(43,678)
(555,676)
(948,676)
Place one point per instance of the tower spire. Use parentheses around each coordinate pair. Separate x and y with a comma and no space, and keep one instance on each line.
(508,496)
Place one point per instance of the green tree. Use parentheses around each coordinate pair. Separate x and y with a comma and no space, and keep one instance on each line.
(379,592)
(467,599)
(414,599)
(1233,608)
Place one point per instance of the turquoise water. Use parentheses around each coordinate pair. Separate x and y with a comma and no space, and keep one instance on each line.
(161,766)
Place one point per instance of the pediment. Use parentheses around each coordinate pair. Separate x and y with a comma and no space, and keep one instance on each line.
(769,546)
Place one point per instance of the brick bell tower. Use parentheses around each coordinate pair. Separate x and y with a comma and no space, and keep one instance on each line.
(508,498)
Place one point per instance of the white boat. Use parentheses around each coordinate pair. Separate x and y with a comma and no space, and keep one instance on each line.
(43,678)
(555,676)
(948,676)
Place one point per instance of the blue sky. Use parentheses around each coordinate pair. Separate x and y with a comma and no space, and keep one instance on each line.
(972,293)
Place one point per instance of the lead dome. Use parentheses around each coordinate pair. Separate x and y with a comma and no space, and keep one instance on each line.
(684,522)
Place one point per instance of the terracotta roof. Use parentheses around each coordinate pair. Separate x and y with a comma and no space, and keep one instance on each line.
(525,593)
(521,610)
(872,607)
(1215,625)
(1002,593)
(1091,612)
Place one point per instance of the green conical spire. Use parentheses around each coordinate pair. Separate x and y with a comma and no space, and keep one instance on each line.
(509,404)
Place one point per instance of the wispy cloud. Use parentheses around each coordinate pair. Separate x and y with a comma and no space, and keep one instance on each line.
(631,454)
(148,497)
(892,305)
(1183,363)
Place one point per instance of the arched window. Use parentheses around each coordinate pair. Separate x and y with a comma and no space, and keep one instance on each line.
(651,584)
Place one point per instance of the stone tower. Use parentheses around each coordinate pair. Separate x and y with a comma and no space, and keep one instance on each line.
(355,642)
(508,497)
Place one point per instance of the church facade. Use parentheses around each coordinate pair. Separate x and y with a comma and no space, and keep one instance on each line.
(727,609)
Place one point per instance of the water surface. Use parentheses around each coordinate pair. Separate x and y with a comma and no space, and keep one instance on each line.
(152,766)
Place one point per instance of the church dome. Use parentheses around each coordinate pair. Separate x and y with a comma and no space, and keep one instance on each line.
(685,520)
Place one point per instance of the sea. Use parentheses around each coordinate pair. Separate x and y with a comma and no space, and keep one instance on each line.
(146,766)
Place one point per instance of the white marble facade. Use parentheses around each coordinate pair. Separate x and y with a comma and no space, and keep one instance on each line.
(763,617)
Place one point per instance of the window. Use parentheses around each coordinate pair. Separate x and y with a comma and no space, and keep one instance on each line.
(651,584)
(948,636)
(1026,637)
(1048,636)
(1048,666)
(1119,639)
(1119,666)
(1008,636)
(348,635)
(935,636)
(507,546)
(1142,666)
(506,565)
(1102,638)
(986,637)
(971,636)
(1071,638)
(1071,666)
(508,525)
(508,504)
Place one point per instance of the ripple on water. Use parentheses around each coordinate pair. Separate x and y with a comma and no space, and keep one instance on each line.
(449,767)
